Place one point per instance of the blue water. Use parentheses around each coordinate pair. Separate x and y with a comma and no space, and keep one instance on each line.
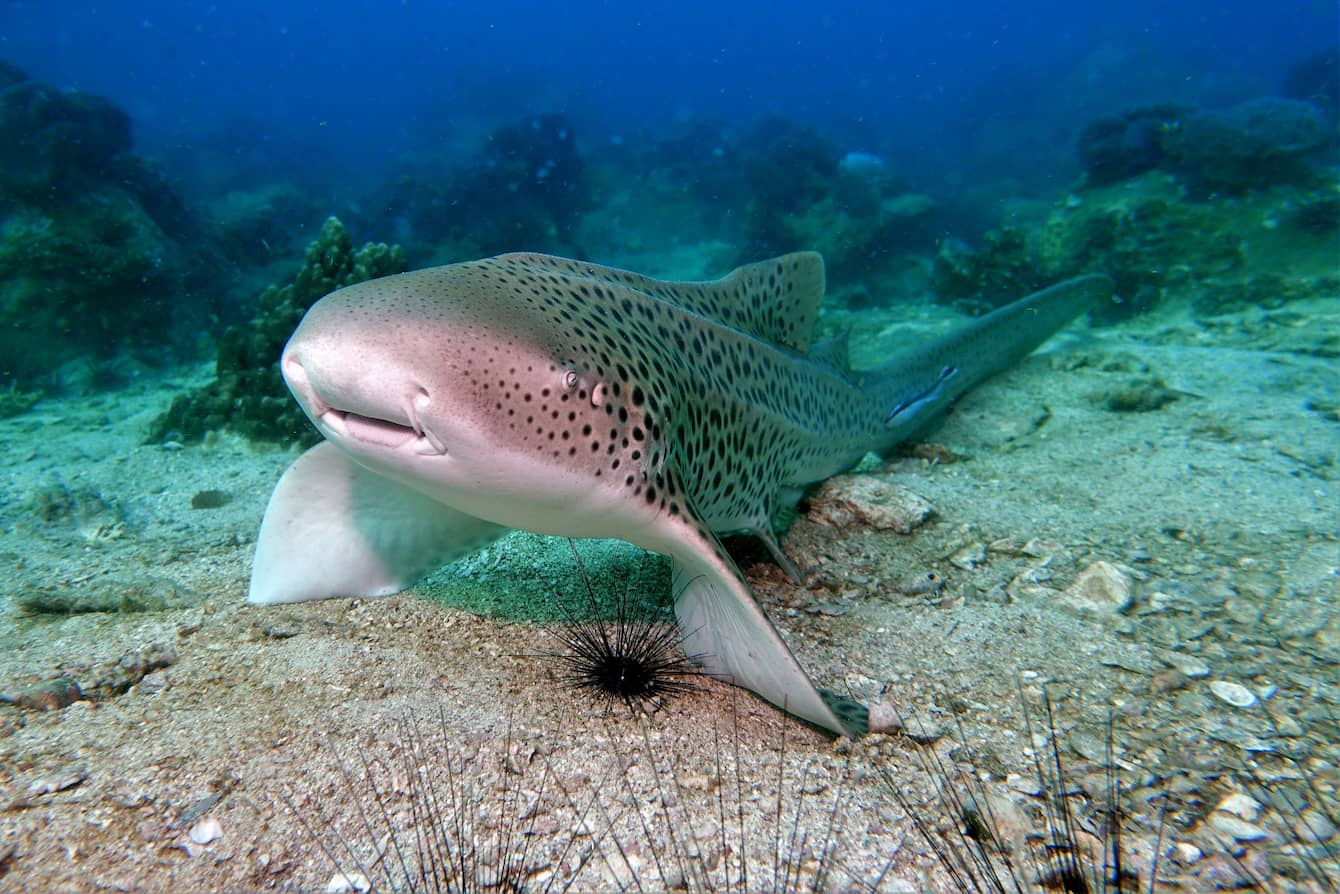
(359,81)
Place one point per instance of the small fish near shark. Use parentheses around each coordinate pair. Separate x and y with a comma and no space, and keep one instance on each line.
(562,397)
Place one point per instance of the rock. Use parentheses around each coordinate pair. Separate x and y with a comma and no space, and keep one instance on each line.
(1139,395)
(923,732)
(348,883)
(49,785)
(870,501)
(1240,805)
(1168,681)
(1235,694)
(1313,826)
(884,718)
(50,695)
(969,557)
(1186,664)
(210,499)
(1237,829)
(1101,589)
(205,831)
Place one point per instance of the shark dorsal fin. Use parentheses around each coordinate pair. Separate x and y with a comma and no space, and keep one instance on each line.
(775,300)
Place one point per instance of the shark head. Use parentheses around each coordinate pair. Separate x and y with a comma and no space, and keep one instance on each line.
(480,385)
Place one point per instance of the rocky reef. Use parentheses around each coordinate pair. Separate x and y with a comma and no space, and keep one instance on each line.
(1264,248)
(98,253)
(248,395)
(525,187)
(1226,208)
(1269,141)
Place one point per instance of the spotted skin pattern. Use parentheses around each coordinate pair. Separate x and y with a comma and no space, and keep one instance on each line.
(569,398)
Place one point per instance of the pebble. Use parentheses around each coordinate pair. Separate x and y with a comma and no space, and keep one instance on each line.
(1288,727)
(1102,588)
(923,732)
(1168,681)
(348,883)
(1025,785)
(1237,829)
(884,718)
(1187,853)
(969,557)
(1192,667)
(1235,694)
(1313,826)
(205,831)
(1240,805)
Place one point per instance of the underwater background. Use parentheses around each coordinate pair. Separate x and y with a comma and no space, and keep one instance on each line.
(1138,522)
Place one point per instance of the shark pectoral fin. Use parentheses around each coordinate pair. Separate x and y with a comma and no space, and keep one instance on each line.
(727,633)
(764,533)
(333,528)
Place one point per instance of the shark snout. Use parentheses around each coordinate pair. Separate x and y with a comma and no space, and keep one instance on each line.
(347,404)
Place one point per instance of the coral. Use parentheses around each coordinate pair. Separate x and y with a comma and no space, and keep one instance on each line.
(788,168)
(97,248)
(14,401)
(996,274)
(526,189)
(257,225)
(1148,240)
(54,142)
(248,396)
(1120,147)
(1266,142)
(851,234)
(1265,249)
(84,278)
(1317,80)
(1256,145)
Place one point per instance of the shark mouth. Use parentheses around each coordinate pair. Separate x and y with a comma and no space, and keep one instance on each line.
(375,431)
(383,433)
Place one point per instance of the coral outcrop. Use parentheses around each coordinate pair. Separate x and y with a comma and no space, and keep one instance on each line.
(97,251)
(1155,242)
(1270,141)
(526,188)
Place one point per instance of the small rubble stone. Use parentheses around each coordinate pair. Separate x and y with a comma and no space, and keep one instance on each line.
(49,785)
(1313,826)
(921,731)
(1102,589)
(49,695)
(969,557)
(870,501)
(106,682)
(1169,680)
(1235,694)
(1237,829)
(205,831)
(1186,664)
(1240,805)
(884,718)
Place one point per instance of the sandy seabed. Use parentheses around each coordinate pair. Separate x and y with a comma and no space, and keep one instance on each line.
(1132,518)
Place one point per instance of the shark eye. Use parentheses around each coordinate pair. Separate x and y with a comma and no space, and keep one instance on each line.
(570,380)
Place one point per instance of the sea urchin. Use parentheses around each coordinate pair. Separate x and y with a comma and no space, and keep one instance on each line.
(636,657)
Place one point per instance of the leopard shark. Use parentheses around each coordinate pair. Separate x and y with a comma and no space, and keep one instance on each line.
(557,396)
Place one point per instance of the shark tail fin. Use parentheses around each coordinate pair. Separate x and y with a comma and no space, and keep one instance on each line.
(923,382)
